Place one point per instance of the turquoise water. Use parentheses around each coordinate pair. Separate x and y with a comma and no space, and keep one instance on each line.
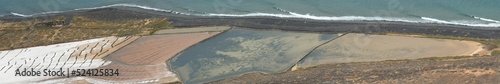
(240,51)
(484,13)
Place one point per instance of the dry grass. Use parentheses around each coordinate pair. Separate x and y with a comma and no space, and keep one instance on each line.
(28,33)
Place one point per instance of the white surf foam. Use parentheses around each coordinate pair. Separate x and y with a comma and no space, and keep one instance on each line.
(308,16)
(486,19)
(125,5)
(363,18)
(133,5)
(25,15)
(18,14)
(359,18)
(461,22)
(434,20)
(114,5)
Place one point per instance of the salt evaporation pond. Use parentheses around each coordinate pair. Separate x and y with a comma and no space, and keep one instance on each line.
(239,51)
(365,48)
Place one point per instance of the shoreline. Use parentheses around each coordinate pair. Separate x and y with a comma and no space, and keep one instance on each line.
(288,24)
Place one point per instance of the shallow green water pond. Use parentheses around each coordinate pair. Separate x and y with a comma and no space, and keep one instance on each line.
(238,51)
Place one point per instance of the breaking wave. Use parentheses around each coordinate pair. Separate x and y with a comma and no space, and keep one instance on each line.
(114,5)
(486,19)
(288,14)
(496,24)
(18,14)
(362,18)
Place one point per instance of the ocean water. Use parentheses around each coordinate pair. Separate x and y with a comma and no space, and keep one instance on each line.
(485,13)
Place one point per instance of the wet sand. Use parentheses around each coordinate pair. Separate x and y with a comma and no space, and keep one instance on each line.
(365,48)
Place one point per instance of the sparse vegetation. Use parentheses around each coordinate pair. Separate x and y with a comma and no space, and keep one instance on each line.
(396,60)
(432,58)
(158,25)
(36,32)
(447,57)
(495,53)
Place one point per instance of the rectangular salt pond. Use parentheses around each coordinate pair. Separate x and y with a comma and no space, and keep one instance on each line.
(365,48)
(240,51)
